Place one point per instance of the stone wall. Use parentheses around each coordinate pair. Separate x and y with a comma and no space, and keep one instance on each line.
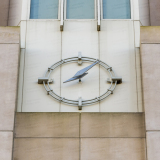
(150,59)
(9,57)
(79,136)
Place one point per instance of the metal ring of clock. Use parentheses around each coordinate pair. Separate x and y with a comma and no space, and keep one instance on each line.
(79,102)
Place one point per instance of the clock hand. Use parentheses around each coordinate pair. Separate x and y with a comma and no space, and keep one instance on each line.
(78,77)
(80,74)
(82,71)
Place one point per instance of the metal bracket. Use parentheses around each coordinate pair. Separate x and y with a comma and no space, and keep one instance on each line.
(99,16)
(61,23)
(49,91)
(79,58)
(98,98)
(110,91)
(49,69)
(44,79)
(110,68)
(80,103)
(115,79)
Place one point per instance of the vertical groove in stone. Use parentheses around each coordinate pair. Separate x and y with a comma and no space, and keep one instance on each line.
(80,136)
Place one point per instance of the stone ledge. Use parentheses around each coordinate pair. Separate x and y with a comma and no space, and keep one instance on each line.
(9,34)
(150,34)
(75,125)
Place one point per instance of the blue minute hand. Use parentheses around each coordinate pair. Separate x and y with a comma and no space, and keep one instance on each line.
(82,71)
(80,74)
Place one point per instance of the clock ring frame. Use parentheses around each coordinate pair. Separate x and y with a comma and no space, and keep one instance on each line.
(79,102)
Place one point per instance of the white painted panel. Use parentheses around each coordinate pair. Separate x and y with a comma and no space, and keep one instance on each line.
(20,81)
(117,50)
(43,48)
(23,26)
(139,81)
(24,14)
(144,12)
(137,33)
(135,9)
(80,37)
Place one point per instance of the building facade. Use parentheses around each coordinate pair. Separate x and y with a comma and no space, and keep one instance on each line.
(124,125)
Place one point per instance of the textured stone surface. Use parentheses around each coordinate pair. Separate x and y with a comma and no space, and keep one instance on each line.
(150,55)
(46,149)
(113,149)
(112,125)
(4,9)
(144,12)
(9,34)
(47,125)
(9,54)
(15,10)
(6,139)
(153,147)
(150,34)
(154,12)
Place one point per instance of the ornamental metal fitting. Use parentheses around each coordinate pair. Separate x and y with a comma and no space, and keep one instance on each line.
(79,58)
(115,79)
(46,81)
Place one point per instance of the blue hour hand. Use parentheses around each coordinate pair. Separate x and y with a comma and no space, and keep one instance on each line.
(74,78)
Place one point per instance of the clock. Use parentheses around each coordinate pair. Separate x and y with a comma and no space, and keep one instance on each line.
(113,80)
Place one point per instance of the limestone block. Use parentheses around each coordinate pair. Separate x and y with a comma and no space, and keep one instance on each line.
(144,12)
(81,37)
(6,139)
(9,55)
(153,147)
(46,149)
(47,124)
(112,125)
(4,7)
(9,34)
(113,149)
(15,10)
(117,49)
(150,34)
(43,49)
(150,56)
(155,12)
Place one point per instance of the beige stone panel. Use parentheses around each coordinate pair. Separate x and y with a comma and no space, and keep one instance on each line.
(112,125)
(139,80)
(117,49)
(6,139)
(4,8)
(80,36)
(9,34)
(150,34)
(137,33)
(144,12)
(150,56)
(154,12)
(153,147)
(15,10)
(23,30)
(47,125)
(9,56)
(20,81)
(113,148)
(46,149)
(43,49)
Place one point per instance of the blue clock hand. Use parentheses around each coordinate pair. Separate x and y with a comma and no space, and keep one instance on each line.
(82,71)
(80,74)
